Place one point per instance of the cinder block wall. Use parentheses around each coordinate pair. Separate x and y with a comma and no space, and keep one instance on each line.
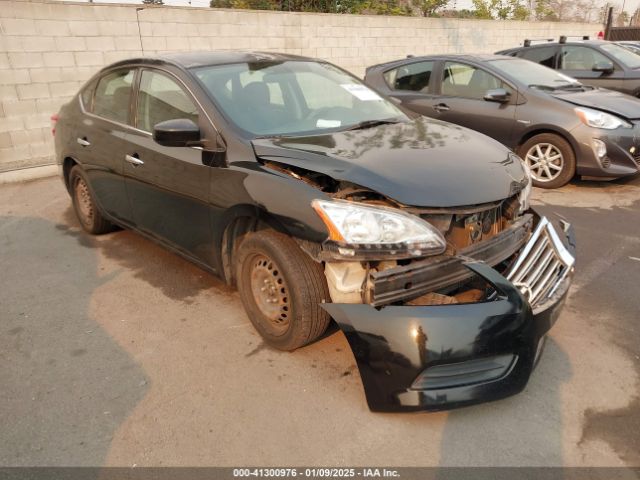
(49,48)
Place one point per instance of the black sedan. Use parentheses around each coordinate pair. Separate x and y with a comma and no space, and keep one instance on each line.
(559,126)
(315,196)
(593,62)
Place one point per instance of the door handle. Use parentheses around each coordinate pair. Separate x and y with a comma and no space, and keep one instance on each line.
(83,141)
(133,160)
(441,107)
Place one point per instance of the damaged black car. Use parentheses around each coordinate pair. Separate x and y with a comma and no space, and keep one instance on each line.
(318,198)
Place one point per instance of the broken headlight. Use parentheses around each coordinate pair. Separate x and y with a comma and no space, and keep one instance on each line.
(376,228)
(525,194)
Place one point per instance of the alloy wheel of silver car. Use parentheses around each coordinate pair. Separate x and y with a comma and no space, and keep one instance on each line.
(545,161)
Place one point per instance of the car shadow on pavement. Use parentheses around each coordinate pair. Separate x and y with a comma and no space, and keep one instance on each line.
(523,430)
(66,385)
(176,277)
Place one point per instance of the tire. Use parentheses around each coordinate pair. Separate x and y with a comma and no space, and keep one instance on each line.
(84,204)
(544,153)
(281,289)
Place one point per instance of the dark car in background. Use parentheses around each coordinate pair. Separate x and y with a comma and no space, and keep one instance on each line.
(593,62)
(290,179)
(559,126)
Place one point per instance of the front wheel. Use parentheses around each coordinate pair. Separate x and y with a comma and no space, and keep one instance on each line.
(550,159)
(281,289)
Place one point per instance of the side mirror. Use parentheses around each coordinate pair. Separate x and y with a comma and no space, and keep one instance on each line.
(499,95)
(604,67)
(180,132)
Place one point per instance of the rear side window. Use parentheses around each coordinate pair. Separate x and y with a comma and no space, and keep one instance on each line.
(113,95)
(414,77)
(466,81)
(543,56)
(161,98)
(87,96)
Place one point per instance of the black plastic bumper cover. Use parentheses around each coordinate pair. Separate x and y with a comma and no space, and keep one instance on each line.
(394,345)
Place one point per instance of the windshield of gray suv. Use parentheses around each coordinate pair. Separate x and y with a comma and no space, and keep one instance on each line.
(533,74)
(287,98)
(625,56)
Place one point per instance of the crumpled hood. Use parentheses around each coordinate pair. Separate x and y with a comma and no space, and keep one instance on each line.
(606,100)
(423,162)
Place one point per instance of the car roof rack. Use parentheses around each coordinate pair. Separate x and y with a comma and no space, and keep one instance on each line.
(527,42)
(563,38)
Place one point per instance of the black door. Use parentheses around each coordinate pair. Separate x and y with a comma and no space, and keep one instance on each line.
(462,88)
(168,186)
(101,140)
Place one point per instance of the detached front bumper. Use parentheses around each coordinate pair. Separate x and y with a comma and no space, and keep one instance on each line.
(440,357)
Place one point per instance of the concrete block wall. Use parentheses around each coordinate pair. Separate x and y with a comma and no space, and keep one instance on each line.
(48,49)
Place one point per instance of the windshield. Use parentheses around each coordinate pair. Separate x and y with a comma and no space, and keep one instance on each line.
(294,97)
(533,74)
(623,55)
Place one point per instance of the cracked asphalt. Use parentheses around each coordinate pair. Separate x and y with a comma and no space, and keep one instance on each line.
(115,352)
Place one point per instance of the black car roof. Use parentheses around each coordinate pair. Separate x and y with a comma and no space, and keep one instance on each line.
(479,57)
(594,43)
(200,59)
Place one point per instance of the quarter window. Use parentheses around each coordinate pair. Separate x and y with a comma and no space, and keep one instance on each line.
(160,98)
(113,95)
(413,77)
(87,96)
(580,58)
(460,80)
(543,55)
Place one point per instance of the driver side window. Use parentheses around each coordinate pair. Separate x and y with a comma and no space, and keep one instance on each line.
(160,98)
(466,81)
(580,58)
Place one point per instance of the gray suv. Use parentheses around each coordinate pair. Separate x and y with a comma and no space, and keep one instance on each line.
(559,126)
(593,62)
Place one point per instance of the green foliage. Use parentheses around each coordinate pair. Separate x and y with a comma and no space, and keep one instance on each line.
(500,9)
(428,8)
(489,9)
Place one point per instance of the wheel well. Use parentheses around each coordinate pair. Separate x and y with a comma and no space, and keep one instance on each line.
(532,134)
(67,165)
(235,232)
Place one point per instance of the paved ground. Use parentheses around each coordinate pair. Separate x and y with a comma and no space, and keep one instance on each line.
(116,352)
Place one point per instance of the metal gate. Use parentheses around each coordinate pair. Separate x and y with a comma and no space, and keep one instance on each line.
(623,33)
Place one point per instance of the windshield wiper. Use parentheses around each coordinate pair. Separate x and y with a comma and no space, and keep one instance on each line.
(371,123)
(542,87)
(571,86)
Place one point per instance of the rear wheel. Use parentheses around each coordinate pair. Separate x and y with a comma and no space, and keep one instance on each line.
(281,289)
(84,204)
(550,159)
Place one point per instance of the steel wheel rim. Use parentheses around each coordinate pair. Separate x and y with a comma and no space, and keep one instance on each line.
(84,202)
(270,293)
(545,161)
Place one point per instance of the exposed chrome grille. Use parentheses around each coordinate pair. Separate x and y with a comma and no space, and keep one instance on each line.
(543,263)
